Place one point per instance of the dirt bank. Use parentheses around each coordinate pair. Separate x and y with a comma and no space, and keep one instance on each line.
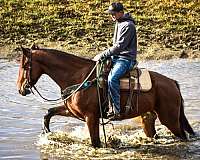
(166,29)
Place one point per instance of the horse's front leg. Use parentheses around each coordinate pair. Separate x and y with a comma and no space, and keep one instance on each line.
(60,110)
(148,122)
(93,126)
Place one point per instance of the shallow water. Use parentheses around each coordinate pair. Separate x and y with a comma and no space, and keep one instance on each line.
(21,122)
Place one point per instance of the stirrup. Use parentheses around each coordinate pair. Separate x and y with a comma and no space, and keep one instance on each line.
(115,117)
(128,109)
(110,114)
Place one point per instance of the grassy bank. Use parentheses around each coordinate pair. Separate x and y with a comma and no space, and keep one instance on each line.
(166,29)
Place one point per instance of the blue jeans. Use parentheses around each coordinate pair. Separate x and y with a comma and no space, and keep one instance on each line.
(120,67)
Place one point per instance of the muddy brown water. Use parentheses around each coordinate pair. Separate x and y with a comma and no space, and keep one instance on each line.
(21,121)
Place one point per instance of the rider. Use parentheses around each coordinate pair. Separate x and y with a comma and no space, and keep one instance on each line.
(123,53)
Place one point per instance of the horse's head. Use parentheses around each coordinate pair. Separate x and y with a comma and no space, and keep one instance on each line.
(29,72)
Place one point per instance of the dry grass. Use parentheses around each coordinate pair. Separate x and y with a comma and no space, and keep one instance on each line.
(83,27)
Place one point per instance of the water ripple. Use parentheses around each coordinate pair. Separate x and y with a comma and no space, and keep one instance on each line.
(21,121)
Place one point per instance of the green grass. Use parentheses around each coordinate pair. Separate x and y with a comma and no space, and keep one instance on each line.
(170,23)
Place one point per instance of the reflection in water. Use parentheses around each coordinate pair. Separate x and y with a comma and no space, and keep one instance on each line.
(21,122)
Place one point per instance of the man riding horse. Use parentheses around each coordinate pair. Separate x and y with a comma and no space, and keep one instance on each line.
(123,53)
(163,99)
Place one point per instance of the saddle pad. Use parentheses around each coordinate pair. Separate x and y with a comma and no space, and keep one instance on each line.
(144,79)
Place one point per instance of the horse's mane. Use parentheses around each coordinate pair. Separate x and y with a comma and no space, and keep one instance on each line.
(63,55)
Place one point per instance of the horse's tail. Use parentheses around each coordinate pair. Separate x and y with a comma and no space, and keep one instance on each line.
(182,119)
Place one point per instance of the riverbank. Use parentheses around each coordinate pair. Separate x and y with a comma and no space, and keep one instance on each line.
(166,29)
(154,52)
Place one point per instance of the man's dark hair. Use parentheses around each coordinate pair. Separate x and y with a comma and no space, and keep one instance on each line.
(115,7)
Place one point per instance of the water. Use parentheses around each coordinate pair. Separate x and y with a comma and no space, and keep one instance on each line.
(21,122)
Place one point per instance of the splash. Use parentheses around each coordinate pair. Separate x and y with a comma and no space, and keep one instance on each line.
(124,142)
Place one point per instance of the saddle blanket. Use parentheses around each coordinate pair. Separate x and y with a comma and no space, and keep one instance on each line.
(144,81)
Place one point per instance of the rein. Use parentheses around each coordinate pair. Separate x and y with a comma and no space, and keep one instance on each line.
(46,99)
(79,86)
(82,84)
(29,80)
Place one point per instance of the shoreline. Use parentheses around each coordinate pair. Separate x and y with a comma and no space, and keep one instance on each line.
(154,52)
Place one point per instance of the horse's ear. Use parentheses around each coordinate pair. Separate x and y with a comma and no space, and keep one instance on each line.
(26,52)
(35,47)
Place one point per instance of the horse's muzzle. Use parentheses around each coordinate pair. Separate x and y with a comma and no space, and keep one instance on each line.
(26,90)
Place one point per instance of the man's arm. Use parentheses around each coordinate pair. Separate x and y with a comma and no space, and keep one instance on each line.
(126,35)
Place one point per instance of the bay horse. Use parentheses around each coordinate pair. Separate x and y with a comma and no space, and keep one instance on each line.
(163,100)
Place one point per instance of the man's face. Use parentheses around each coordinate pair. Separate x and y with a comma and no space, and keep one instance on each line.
(117,15)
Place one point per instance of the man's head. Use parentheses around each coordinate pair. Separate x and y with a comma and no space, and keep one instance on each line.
(116,10)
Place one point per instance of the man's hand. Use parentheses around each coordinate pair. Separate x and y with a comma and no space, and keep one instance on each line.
(100,56)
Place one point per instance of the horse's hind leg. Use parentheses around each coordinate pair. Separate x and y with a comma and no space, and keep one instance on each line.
(171,120)
(60,110)
(148,122)
(93,127)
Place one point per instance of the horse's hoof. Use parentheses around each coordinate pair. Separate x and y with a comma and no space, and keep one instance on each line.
(45,130)
(97,146)
(193,134)
(155,136)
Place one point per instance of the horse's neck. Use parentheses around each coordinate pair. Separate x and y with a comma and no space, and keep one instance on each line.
(66,71)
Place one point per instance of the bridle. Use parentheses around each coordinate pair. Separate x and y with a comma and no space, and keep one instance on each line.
(29,81)
(28,77)
(27,66)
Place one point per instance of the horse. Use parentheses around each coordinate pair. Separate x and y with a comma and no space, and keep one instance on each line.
(164,100)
